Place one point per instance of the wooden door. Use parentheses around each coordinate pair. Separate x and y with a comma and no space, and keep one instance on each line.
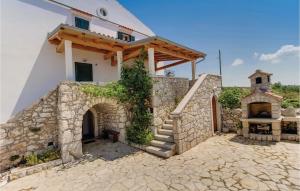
(88,125)
(214,112)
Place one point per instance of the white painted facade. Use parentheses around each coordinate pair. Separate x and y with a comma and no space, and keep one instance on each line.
(30,65)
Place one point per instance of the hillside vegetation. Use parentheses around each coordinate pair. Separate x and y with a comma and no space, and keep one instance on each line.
(231,96)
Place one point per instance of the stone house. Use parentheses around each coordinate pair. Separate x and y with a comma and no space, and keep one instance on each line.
(69,43)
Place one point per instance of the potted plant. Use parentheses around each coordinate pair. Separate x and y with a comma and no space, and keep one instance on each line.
(239,130)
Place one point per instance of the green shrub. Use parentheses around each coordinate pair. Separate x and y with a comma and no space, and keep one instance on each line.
(295,103)
(230,98)
(49,155)
(137,92)
(32,159)
(290,94)
(113,89)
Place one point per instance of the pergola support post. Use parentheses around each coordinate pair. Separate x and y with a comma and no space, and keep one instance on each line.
(193,69)
(119,63)
(70,71)
(151,62)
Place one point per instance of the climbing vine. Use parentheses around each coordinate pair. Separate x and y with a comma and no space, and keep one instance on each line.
(137,92)
(133,89)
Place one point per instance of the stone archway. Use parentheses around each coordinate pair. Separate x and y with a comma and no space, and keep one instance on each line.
(72,105)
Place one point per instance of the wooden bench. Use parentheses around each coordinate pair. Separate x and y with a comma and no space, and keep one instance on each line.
(114,134)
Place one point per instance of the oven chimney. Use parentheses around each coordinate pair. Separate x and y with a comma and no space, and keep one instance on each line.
(260,81)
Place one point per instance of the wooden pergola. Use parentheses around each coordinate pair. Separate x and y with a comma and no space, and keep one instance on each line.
(66,37)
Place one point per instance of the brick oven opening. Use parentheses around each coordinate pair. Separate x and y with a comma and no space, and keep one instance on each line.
(259,110)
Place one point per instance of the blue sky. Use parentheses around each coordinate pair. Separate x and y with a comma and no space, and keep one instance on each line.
(252,34)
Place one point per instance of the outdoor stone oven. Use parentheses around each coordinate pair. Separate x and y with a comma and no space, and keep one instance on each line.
(261,110)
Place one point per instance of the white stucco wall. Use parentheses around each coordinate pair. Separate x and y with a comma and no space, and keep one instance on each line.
(30,66)
(102,69)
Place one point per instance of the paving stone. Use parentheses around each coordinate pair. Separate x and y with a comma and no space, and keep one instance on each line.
(116,166)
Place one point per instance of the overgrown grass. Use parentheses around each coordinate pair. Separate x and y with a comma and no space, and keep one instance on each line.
(290,94)
(49,155)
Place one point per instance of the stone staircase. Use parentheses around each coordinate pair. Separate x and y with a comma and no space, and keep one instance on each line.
(163,143)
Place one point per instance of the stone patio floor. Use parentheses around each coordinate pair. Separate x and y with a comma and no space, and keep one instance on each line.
(224,162)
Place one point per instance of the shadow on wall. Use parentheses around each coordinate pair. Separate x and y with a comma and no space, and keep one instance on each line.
(47,71)
(46,5)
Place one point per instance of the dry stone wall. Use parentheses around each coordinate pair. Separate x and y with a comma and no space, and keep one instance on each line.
(193,117)
(231,119)
(166,94)
(32,130)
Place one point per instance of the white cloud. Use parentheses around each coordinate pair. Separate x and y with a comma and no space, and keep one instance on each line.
(237,62)
(256,55)
(283,51)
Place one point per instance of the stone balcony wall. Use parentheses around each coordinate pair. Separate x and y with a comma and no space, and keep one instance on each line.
(166,94)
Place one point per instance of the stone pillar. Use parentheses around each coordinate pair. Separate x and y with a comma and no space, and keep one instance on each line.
(69,128)
(276,130)
(245,129)
(119,63)
(70,71)
(193,70)
(151,62)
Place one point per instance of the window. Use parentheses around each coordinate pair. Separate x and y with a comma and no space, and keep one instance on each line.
(102,12)
(258,80)
(268,78)
(125,37)
(82,23)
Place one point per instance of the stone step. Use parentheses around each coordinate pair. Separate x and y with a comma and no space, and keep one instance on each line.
(165,131)
(165,153)
(169,121)
(166,138)
(167,126)
(163,144)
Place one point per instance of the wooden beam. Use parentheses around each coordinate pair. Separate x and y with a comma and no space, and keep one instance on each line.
(87,42)
(60,47)
(87,48)
(132,54)
(171,65)
(172,53)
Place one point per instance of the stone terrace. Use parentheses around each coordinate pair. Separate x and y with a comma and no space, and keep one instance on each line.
(223,162)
